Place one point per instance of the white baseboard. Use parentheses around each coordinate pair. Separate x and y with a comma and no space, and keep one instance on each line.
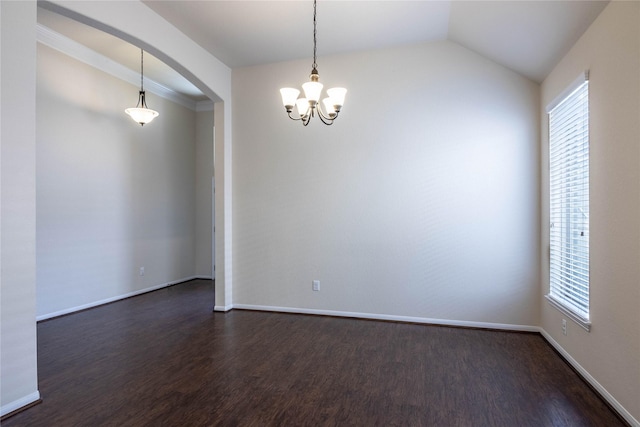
(20,403)
(222,307)
(112,299)
(592,381)
(408,319)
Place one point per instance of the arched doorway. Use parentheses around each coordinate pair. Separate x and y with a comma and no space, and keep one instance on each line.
(139,25)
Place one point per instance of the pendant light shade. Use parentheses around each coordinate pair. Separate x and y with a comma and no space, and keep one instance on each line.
(312,91)
(141,113)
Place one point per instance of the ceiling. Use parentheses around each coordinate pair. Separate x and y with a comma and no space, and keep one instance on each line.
(529,37)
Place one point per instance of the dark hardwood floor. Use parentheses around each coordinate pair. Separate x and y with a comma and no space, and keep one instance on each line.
(165,359)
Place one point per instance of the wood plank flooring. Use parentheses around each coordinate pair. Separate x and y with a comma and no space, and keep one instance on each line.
(165,359)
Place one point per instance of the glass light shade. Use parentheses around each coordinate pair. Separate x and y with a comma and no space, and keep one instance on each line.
(312,91)
(142,115)
(303,106)
(337,95)
(289,96)
(328,106)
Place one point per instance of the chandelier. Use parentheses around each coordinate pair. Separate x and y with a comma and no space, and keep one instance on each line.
(141,113)
(309,106)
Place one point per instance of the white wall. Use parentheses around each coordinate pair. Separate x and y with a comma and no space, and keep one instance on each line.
(18,369)
(112,196)
(204,173)
(421,200)
(610,353)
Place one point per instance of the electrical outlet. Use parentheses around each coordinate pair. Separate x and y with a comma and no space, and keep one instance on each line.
(564,326)
(316,285)
(141,271)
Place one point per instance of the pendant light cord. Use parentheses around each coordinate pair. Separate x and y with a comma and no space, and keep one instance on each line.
(141,70)
(314,65)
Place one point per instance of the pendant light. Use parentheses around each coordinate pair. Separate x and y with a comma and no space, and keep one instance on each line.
(308,106)
(141,114)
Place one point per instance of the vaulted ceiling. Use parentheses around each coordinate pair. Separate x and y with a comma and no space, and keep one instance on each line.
(529,37)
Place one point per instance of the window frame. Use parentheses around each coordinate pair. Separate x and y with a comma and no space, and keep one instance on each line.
(565,305)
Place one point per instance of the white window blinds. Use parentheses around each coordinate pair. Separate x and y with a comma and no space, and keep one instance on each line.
(569,201)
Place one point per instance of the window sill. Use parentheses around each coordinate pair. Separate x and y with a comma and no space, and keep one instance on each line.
(584,323)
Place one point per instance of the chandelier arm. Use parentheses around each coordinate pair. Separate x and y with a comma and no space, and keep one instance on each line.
(293,118)
(139,99)
(306,119)
(326,119)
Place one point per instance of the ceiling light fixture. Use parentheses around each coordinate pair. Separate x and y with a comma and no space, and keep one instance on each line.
(141,113)
(308,106)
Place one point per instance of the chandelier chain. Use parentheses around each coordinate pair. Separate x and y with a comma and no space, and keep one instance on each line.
(314,65)
(141,69)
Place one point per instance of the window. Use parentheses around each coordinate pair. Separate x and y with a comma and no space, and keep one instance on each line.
(569,202)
